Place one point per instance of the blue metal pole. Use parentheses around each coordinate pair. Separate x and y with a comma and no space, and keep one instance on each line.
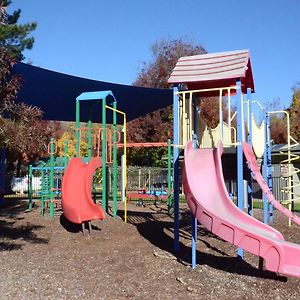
(240,124)
(176,167)
(269,162)
(265,172)
(249,179)
(194,242)
(249,97)
(194,220)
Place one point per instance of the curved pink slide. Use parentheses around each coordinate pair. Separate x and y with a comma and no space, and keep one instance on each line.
(251,161)
(77,202)
(209,202)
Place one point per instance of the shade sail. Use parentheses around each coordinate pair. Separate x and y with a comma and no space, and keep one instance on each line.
(55,94)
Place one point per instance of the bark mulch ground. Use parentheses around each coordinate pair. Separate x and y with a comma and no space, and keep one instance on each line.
(43,258)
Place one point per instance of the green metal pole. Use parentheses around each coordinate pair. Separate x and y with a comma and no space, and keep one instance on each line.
(30,187)
(89,134)
(66,149)
(115,160)
(51,183)
(169,177)
(77,133)
(104,184)
(43,191)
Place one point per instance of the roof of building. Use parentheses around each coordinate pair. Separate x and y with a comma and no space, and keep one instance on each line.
(55,94)
(214,70)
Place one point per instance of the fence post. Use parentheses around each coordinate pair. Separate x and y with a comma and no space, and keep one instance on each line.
(30,188)
(51,179)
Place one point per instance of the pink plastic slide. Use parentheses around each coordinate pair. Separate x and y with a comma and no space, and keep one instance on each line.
(209,202)
(77,202)
(251,161)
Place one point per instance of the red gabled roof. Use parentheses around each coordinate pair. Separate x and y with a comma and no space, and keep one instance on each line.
(214,70)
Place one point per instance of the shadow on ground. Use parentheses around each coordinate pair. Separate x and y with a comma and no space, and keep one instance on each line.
(12,235)
(157,228)
(72,227)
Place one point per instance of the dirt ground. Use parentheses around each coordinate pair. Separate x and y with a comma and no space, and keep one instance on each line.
(43,258)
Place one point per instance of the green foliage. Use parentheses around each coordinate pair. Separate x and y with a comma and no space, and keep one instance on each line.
(157,126)
(295,113)
(278,129)
(165,54)
(148,156)
(22,133)
(278,122)
(15,38)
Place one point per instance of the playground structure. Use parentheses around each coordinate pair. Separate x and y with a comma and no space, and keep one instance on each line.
(217,78)
(102,141)
(50,174)
(290,176)
(226,75)
(83,209)
(154,191)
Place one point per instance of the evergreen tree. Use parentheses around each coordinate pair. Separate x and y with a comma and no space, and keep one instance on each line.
(14,38)
(21,133)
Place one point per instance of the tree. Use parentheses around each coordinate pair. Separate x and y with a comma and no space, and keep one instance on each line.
(278,129)
(21,133)
(14,38)
(157,126)
(294,111)
(165,54)
(277,122)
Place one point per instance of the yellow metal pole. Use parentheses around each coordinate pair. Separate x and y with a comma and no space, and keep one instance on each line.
(183,120)
(191,127)
(288,160)
(125,159)
(229,115)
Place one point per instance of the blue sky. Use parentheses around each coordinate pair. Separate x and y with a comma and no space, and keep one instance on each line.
(109,40)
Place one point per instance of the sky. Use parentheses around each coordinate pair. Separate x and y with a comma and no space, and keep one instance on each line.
(109,40)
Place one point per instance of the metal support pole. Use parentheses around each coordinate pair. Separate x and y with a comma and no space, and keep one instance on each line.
(104,184)
(194,242)
(43,190)
(89,152)
(169,177)
(269,162)
(194,220)
(77,133)
(66,149)
(249,179)
(240,124)
(51,179)
(176,130)
(265,174)
(30,188)
(221,115)
(115,160)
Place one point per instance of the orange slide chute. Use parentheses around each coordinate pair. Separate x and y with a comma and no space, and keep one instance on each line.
(77,202)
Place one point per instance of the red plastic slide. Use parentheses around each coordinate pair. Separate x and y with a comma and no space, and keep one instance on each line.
(77,202)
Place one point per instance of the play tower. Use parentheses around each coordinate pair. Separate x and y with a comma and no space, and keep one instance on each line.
(223,75)
(228,78)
